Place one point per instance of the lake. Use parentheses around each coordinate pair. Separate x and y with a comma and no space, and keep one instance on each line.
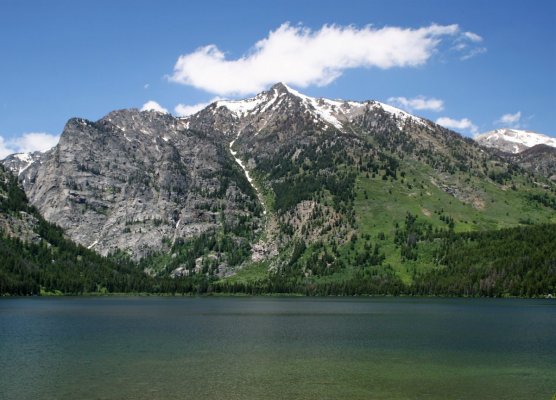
(277,348)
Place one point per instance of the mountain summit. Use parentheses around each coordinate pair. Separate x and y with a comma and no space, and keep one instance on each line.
(334,113)
(513,140)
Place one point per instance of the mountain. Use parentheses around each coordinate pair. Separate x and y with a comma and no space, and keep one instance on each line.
(137,182)
(284,192)
(513,140)
(19,162)
(532,151)
(540,159)
(37,258)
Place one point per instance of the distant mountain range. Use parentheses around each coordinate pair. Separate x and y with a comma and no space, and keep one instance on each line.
(514,140)
(282,190)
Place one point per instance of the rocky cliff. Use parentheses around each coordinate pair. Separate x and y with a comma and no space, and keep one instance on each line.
(137,181)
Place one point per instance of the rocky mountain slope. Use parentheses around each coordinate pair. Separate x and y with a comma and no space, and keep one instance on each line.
(308,190)
(540,158)
(17,219)
(137,182)
(19,162)
(532,151)
(37,258)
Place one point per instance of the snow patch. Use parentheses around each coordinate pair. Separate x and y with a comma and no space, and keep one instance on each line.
(246,172)
(323,108)
(25,157)
(401,114)
(517,136)
(241,107)
(334,111)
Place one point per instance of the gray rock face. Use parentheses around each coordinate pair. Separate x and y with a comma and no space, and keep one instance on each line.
(16,223)
(540,159)
(137,181)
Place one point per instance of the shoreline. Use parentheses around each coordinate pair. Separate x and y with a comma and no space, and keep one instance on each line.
(263,295)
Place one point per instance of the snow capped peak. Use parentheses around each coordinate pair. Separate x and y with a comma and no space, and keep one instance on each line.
(333,112)
(259,103)
(513,140)
(281,87)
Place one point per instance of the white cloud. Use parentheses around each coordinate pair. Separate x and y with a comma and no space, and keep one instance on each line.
(303,57)
(152,105)
(27,143)
(510,120)
(463,124)
(467,44)
(473,52)
(418,103)
(184,110)
(35,141)
(4,149)
(473,37)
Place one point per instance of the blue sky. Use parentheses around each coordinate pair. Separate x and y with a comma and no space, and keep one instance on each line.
(61,59)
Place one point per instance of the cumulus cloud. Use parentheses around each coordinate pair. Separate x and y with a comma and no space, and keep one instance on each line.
(184,110)
(152,105)
(303,57)
(463,124)
(509,120)
(417,103)
(27,143)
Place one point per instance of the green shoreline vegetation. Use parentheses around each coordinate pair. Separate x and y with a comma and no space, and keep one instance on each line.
(397,243)
(513,262)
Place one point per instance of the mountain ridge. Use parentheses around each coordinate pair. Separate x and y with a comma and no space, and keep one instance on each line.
(306,189)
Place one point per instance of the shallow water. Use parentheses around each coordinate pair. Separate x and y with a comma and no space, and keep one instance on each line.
(277,348)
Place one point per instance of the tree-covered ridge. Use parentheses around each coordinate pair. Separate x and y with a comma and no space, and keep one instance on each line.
(331,188)
(515,262)
(508,262)
(12,198)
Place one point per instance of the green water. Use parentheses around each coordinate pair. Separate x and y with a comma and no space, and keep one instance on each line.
(277,348)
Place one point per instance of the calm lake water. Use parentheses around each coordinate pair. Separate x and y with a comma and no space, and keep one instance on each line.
(277,348)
